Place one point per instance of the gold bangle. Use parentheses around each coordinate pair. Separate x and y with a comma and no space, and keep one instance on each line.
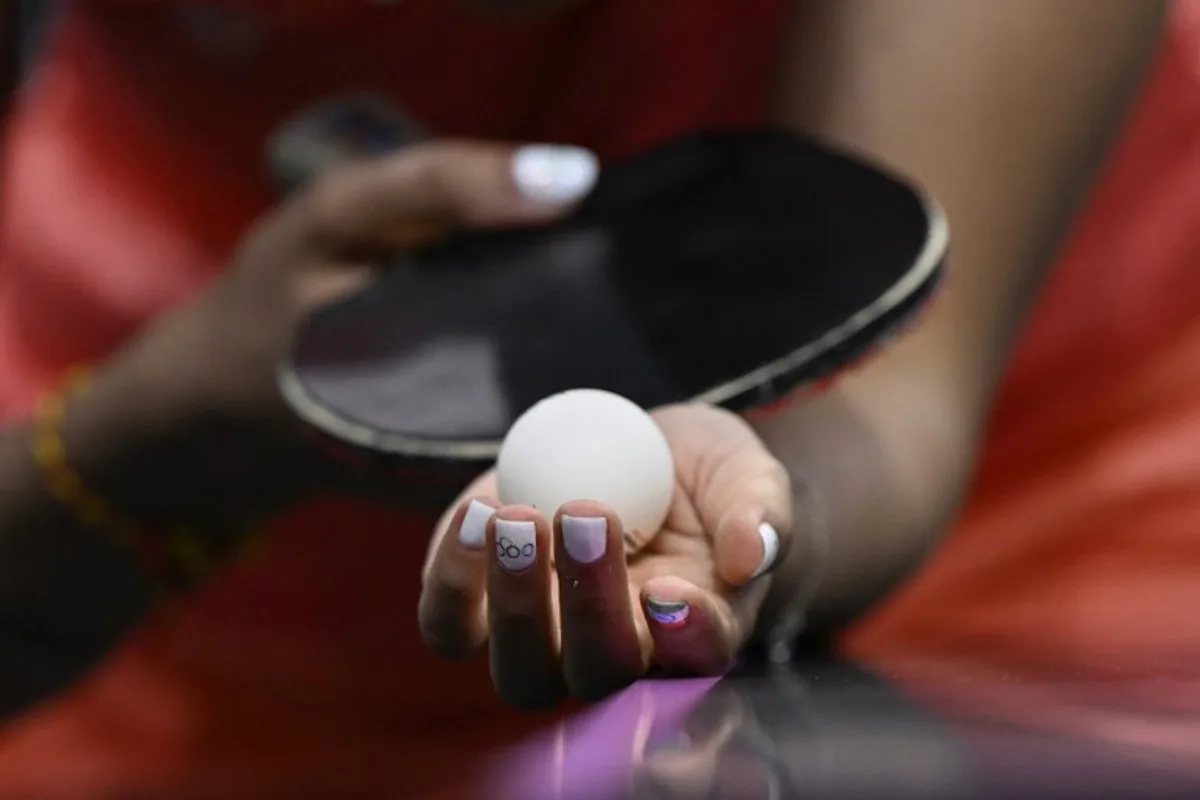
(178,557)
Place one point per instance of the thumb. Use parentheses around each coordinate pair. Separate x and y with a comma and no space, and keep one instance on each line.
(741,493)
(360,211)
(751,526)
(422,191)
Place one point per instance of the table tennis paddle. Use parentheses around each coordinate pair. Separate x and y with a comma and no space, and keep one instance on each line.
(731,267)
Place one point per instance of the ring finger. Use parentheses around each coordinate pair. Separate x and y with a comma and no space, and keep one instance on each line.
(604,646)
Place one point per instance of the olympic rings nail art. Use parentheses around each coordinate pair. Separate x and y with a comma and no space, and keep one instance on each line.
(516,544)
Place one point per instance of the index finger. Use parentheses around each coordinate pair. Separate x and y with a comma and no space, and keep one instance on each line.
(427,188)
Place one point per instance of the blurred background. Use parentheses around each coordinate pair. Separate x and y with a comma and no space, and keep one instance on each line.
(33,16)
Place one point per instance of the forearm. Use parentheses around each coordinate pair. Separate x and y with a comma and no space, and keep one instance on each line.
(1003,112)
(62,578)
(69,591)
(869,504)
(155,451)
(132,438)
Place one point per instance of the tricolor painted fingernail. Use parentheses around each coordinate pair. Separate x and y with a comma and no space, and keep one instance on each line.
(770,545)
(667,613)
(586,538)
(516,544)
(473,531)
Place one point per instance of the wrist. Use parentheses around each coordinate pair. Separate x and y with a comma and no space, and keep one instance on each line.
(177,554)
(166,442)
(846,502)
(883,489)
(798,581)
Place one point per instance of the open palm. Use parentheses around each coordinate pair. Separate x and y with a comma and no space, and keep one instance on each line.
(565,608)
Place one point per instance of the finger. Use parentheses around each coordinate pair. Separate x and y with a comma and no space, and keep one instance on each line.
(603,648)
(748,545)
(425,189)
(748,514)
(483,488)
(523,646)
(451,609)
(742,494)
(695,632)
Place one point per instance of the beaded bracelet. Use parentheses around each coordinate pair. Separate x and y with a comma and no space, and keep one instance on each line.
(177,557)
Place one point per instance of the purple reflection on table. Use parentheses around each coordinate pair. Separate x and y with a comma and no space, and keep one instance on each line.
(834,730)
(594,754)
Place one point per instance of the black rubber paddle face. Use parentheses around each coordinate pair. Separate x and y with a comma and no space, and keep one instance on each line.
(728,268)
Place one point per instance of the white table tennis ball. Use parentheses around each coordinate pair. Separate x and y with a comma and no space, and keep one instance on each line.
(588,444)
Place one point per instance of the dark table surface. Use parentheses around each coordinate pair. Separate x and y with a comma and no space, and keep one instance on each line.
(827,730)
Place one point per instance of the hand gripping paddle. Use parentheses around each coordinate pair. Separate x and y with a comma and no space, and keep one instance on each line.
(730,268)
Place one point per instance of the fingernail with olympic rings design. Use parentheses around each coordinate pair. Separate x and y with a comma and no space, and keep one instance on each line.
(516,544)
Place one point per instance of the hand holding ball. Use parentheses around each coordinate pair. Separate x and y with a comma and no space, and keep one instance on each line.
(588,444)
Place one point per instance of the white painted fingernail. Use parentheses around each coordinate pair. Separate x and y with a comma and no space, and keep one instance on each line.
(554,174)
(770,544)
(516,544)
(585,538)
(473,531)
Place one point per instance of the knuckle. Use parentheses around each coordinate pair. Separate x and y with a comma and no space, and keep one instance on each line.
(438,181)
(425,174)
(445,645)
(526,695)
(779,477)
(441,644)
(587,606)
(456,178)
(440,631)
(330,201)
